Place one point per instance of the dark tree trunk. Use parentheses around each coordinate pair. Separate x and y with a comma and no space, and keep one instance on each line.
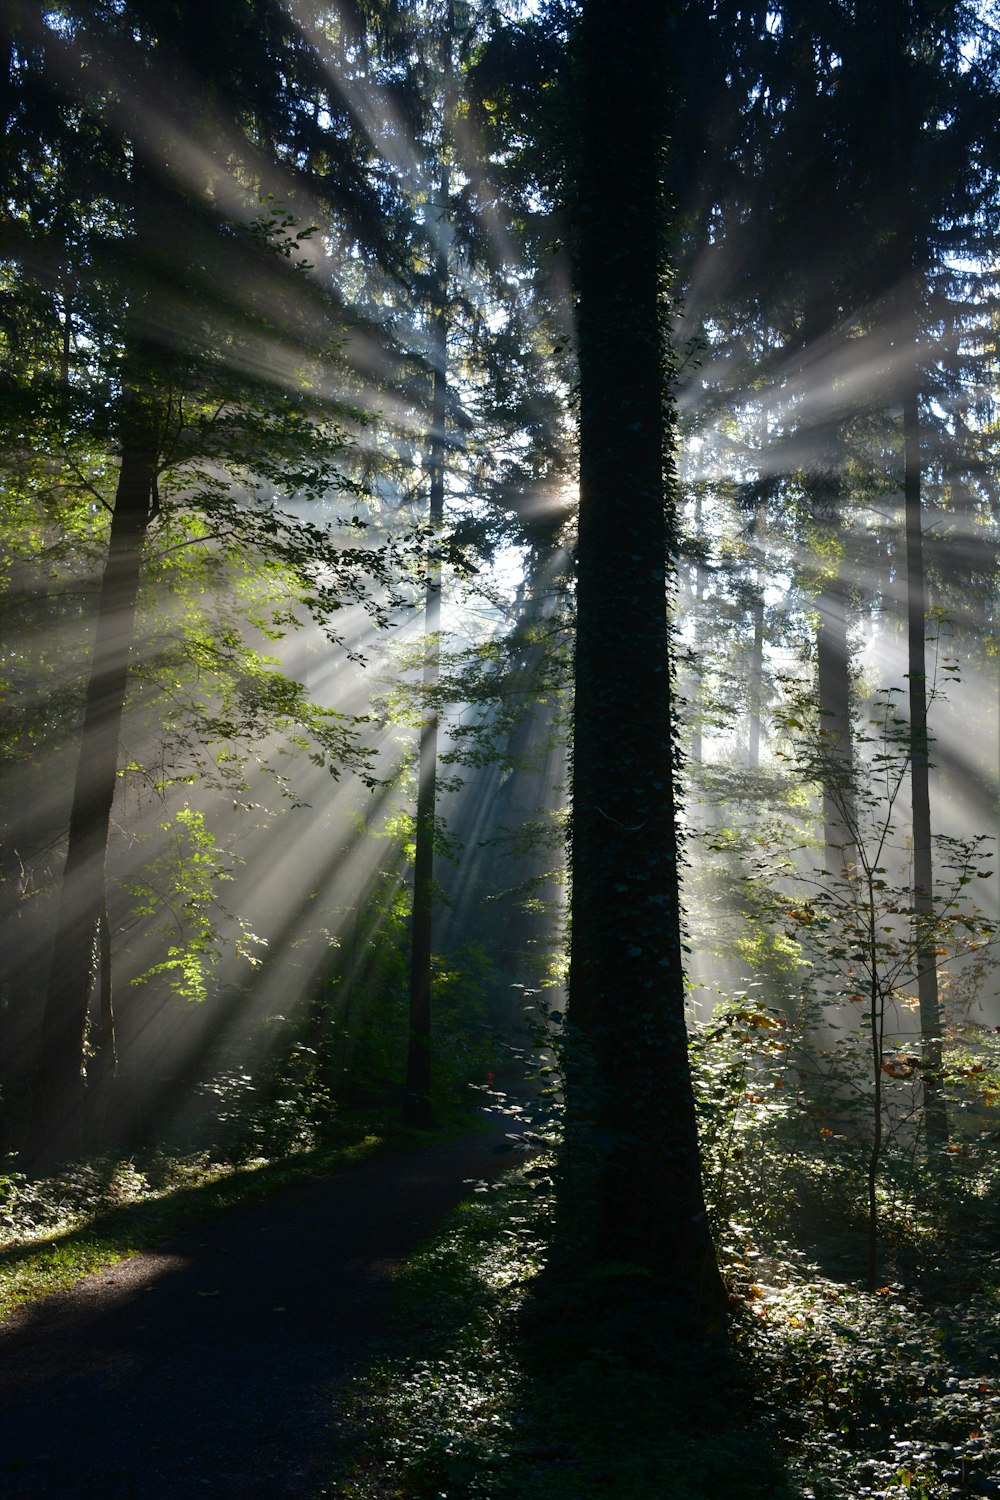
(417,1101)
(695,751)
(824,486)
(56,1118)
(756,676)
(103,1068)
(905,269)
(8,12)
(631,1110)
(417,1105)
(833,685)
(935,1109)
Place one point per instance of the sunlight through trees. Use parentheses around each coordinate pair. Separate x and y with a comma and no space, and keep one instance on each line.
(499,586)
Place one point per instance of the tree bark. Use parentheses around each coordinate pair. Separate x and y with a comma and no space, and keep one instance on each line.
(824,486)
(417,1101)
(631,1111)
(756,674)
(417,1105)
(695,750)
(935,1108)
(56,1116)
(102,1069)
(833,686)
(8,27)
(905,267)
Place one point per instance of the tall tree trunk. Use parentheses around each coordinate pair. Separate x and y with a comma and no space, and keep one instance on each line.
(8,24)
(935,1109)
(103,1069)
(824,486)
(904,267)
(629,1096)
(833,686)
(695,752)
(417,1100)
(756,674)
(55,1126)
(417,1105)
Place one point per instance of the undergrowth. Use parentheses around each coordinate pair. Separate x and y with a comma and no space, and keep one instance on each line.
(831,1392)
(94,1213)
(485,1412)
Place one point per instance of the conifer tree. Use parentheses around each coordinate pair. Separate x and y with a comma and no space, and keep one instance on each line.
(631,1109)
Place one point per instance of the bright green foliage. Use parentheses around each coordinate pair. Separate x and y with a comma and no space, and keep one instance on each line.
(55,1230)
(179,889)
(826,1059)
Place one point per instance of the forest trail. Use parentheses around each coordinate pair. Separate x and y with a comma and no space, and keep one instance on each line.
(214,1366)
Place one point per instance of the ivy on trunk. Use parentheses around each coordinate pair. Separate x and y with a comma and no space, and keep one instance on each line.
(631,1111)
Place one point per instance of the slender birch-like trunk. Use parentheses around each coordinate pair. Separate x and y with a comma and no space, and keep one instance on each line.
(935,1108)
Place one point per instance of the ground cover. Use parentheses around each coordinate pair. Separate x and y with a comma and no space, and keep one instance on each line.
(216,1362)
(99,1211)
(831,1393)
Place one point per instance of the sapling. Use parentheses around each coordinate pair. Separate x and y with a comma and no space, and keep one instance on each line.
(861,927)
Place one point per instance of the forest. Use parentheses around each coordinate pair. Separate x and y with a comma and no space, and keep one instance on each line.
(499,577)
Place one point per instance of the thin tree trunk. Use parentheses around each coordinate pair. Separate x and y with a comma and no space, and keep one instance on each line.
(417,1107)
(8,24)
(417,1101)
(109,1041)
(876,1022)
(905,265)
(935,1109)
(695,751)
(55,1126)
(66,338)
(756,675)
(103,1070)
(631,1121)
(824,485)
(833,684)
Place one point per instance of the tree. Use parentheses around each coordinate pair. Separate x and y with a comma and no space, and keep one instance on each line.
(629,1098)
(417,1103)
(867,279)
(905,268)
(186,409)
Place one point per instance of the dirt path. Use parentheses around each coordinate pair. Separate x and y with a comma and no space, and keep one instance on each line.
(213,1367)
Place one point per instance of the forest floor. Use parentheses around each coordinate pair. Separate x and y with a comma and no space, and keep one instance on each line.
(507,1383)
(216,1364)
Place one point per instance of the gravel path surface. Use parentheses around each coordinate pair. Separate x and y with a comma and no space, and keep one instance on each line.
(213,1366)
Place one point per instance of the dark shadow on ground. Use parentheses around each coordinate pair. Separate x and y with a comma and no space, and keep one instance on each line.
(213,1366)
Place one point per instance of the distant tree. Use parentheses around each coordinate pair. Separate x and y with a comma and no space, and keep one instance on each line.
(417,1100)
(859,260)
(934,192)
